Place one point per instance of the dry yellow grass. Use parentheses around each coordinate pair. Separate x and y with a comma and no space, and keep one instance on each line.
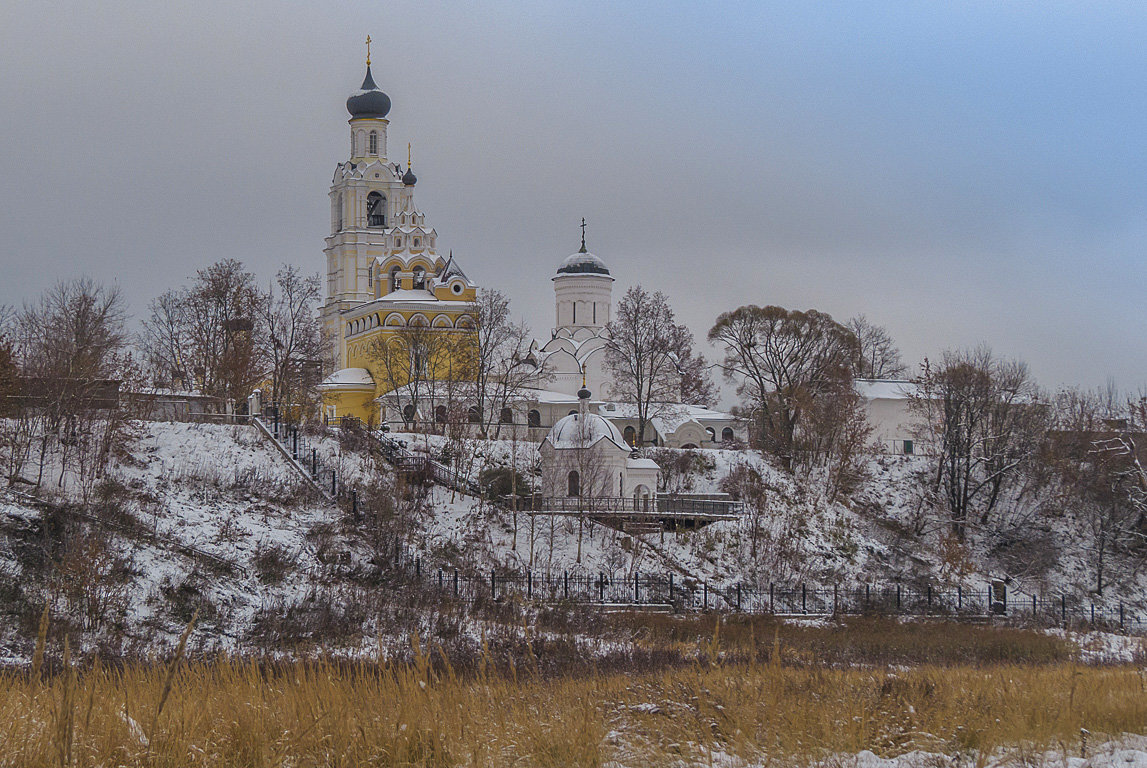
(319,713)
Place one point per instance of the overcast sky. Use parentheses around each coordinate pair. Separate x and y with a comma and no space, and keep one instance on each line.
(958,172)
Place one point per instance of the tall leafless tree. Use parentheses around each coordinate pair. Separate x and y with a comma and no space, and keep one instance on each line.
(641,357)
(984,424)
(295,350)
(210,336)
(697,386)
(71,354)
(503,365)
(782,359)
(877,356)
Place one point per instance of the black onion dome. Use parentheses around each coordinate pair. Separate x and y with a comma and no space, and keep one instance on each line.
(368,101)
(408,178)
(583,262)
(583,393)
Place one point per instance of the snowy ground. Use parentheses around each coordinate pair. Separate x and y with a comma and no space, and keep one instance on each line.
(224,491)
(1127,751)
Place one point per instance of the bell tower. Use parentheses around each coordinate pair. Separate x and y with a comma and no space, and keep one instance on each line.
(367,195)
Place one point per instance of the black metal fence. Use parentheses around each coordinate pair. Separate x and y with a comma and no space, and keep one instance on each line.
(672,592)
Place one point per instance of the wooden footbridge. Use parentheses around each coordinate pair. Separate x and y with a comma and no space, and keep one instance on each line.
(649,514)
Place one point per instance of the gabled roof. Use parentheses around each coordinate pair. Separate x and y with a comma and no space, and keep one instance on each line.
(450,270)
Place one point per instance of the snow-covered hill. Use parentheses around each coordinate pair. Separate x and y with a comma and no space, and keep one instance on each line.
(212,519)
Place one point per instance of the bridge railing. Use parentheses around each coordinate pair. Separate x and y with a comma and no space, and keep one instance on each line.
(663,505)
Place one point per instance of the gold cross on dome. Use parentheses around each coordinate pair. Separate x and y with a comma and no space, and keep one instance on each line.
(368,50)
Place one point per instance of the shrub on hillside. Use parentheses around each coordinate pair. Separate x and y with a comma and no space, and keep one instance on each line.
(497,482)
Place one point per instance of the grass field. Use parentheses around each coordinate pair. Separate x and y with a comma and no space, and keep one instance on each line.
(759,691)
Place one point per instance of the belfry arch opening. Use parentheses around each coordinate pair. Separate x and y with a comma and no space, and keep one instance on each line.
(375,210)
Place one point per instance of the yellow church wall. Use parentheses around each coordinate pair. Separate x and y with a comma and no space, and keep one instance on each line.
(363,352)
(357,403)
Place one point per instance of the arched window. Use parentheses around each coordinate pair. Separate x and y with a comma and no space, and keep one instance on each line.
(534,418)
(408,412)
(573,413)
(630,435)
(418,362)
(419,278)
(370,276)
(573,484)
(395,282)
(506,417)
(339,211)
(440,414)
(375,210)
(374,142)
(473,415)
(727,435)
(711,434)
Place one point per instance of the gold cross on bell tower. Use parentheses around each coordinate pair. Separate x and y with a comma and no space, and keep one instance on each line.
(368,50)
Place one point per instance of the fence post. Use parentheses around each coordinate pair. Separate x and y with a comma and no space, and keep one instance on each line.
(601,586)
(493,584)
(897,597)
(529,584)
(1121,615)
(738,598)
(1033,605)
(636,588)
(706,595)
(566,584)
(439,579)
(959,597)
(671,587)
(804,598)
(295,444)
(455,582)
(315,462)
(929,598)
(1093,615)
(771,605)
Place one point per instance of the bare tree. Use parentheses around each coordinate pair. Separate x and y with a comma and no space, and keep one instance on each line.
(877,356)
(836,431)
(165,340)
(697,386)
(71,356)
(984,421)
(210,336)
(781,360)
(641,357)
(422,368)
(1093,454)
(503,366)
(296,348)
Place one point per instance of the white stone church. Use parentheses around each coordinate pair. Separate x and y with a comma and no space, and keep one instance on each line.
(383,273)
